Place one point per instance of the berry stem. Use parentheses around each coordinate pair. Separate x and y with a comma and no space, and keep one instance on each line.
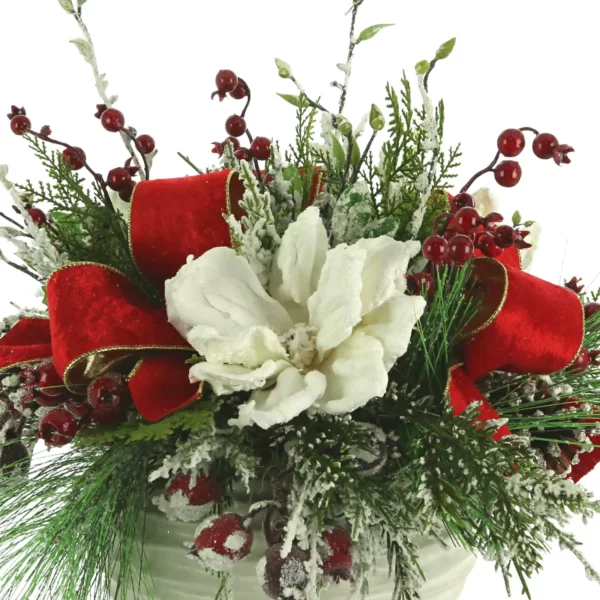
(363,158)
(96,176)
(249,96)
(477,175)
(12,221)
(534,131)
(304,95)
(130,135)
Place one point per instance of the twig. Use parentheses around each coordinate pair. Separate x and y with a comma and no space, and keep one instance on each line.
(352,45)
(12,221)
(477,175)
(22,269)
(346,172)
(190,163)
(304,95)
(363,158)
(426,78)
(130,135)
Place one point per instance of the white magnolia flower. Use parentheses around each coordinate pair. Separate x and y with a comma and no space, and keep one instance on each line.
(334,324)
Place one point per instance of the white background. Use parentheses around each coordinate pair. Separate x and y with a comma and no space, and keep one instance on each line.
(516,63)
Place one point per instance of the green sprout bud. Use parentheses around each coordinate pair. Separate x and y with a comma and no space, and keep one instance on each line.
(343,125)
(445,50)
(422,67)
(376,118)
(285,71)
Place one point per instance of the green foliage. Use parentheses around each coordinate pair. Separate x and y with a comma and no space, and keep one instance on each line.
(372,31)
(445,50)
(74,523)
(195,419)
(85,229)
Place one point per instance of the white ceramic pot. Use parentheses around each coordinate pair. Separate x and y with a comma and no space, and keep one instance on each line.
(176,577)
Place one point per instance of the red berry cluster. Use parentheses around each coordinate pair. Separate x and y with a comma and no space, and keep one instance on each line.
(105,404)
(466,230)
(113,120)
(260,148)
(511,143)
(38,216)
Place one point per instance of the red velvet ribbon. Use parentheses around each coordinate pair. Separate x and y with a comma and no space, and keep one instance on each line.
(27,341)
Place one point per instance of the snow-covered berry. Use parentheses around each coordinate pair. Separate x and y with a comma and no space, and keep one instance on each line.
(283,577)
(274,525)
(221,541)
(337,553)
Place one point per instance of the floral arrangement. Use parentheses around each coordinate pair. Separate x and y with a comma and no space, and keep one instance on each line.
(341,335)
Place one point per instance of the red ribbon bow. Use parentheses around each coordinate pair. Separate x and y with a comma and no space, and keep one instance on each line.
(98,317)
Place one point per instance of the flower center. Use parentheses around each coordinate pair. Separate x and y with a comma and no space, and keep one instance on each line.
(301,345)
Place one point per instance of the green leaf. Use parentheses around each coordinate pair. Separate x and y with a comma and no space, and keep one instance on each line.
(285,71)
(370,32)
(528,223)
(516,218)
(445,50)
(292,174)
(376,118)
(67,5)
(422,67)
(338,153)
(356,154)
(293,100)
(343,125)
(85,48)
(386,226)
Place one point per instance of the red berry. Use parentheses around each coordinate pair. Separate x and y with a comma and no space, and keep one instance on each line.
(234,142)
(223,540)
(240,92)
(573,284)
(462,200)
(45,401)
(287,573)
(590,309)
(243,154)
(20,124)
(78,407)
(38,216)
(108,393)
(235,126)
(487,245)
(126,193)
(58,427)
(227,81)
(466,220)
(118,179)
(112,120)
(461,249)
(508,173)
(544,145)
(581,363)
(420,283)
(261,148)
(337,553)
(99,417)
(511,142)
(435,248)
(48,381)
(504,236)
(206,489)
(145,143)
(74,158)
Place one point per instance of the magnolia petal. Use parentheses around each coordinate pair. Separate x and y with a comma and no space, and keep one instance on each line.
(527,255)
(335,308)
(300,259)
(227,379)
(250,349)
(486,201)
(392,324)
(220,290)
(355,374)
(385,269)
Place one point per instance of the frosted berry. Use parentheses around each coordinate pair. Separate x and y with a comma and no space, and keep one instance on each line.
(108,393)
(274,525)
(199,490)
(145,143)
(126,193)
(461,249)
(504,236)
(235,126)
(486,244)
(466,220)
(20,124)
(240,92)
(47,381)
(99,417)
(38,216)
(508,173)
(112,120)
(435,248)
(560,154)
(462,200)
(420,283)
(544,145)
(118,179)
(222,541)
(261,148)
(234,142)
(337,553)
(279,574)
(581,363)
(511,142)
(226,81)
(45,401)
(590,309)
(78,407)
(58,427)
(243,154)
(74,158)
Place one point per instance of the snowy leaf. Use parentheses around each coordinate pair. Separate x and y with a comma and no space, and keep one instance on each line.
(355,153)
(422,67)
(445,49)
(285,71)
(338,152)
(293,100)
(370,32)
(384,226)
(67,5)
(81,2)
(85,48)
